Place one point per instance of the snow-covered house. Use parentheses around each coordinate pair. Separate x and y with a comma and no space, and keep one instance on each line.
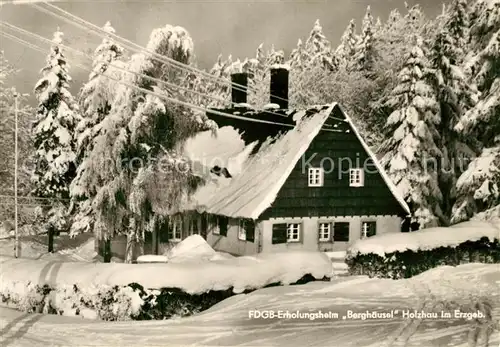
(281,179)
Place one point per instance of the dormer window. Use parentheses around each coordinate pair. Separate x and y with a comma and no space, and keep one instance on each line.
(356,178)
(315,177)
(217,170)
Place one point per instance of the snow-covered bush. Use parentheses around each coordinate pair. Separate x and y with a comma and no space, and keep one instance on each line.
(112,303)
(26,297)
(408,254)
(105,302)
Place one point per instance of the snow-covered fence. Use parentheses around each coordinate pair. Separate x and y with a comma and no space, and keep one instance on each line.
(407,254)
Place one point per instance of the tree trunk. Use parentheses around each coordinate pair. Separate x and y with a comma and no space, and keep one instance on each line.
(51,239)
(107,251)
(131,238)
(140,240)
(155,239)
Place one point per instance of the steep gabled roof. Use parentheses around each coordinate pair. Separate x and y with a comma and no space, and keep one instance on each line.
(259,167)
(378,165)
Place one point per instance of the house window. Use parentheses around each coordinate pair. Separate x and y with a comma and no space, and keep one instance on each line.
(242,233)
(175,230)
(246,230)
(356,178)
(315,177)
(213,224)
(368,229)
(325,232)
(293,232)
(341,231)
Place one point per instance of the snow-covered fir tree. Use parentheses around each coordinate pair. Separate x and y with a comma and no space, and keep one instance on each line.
(260,75)
(298,57)
(478,187)
(347,48)
(414,139)
(301,70)
(97,93)
(56,119)
(217,89)
(133,166)
(378,26)
(318,49)
(275,56)
(96,97)
(455,95)
(365,55)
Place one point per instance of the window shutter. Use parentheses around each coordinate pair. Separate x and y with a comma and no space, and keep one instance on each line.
(165,231)
(372,229)
(341,231)
(223,223)
(250,228)
(279,233)
(204,226)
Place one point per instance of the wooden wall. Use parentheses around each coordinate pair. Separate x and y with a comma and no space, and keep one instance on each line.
(335,197)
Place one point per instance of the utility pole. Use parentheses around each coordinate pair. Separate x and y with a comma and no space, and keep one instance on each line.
(17,245)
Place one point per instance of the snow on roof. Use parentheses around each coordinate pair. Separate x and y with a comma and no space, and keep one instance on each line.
(260,176)
(378,165)
(271,106)
(281,66)
(256,179)
(425,239)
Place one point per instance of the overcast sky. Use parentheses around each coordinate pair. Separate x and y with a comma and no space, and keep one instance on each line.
(227,27)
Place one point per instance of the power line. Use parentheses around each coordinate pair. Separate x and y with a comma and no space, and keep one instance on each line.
(81,53)
(173,100)
(138,48)
(30,45)
(132,46)
(186,104)
(172,85)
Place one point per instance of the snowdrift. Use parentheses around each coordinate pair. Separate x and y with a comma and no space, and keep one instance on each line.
(426,239)
(239,273)
(191,249)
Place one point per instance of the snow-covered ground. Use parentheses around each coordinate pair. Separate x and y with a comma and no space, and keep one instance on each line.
(468,288)
(66,249)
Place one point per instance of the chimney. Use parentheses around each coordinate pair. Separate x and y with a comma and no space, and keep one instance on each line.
(279,87)
(239,88)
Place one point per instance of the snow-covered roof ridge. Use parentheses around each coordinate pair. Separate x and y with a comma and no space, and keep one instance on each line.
(378,165)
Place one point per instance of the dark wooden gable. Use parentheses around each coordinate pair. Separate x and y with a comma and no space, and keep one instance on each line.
(335,197)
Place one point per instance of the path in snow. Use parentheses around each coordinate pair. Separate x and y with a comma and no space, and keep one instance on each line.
(227,323)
